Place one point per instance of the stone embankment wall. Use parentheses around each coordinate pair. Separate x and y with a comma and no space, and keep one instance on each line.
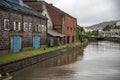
(25,62)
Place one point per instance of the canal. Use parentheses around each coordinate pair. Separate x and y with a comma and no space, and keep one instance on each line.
(99,61)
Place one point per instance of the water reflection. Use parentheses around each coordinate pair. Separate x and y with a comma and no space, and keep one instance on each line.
(100,61)
(43,69)
(64,59)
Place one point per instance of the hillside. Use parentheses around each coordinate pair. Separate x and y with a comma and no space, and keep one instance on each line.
(100,26)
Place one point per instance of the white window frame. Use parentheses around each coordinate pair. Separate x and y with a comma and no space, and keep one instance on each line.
(17,26)
(36,28)
(5,26)
(39,28)
(42,28)
(30,27)
(25,27)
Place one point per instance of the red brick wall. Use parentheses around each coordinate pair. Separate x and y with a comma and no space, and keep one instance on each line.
(70,25)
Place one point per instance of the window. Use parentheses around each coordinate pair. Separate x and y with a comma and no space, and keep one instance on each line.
(36,28)
(25,27)
(42,28)
(67,28)
(39,28)
(30,27)
(6,24)
(45,14)
(16,26)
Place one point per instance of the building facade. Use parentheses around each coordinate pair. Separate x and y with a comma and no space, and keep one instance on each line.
(21,28)
(58,21)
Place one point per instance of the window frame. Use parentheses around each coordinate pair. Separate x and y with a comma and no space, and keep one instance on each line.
(6,27)
(39,28)
(30,27)
(25,29)
(17,26)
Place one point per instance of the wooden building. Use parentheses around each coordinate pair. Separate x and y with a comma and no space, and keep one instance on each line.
(58,20)
(21,27)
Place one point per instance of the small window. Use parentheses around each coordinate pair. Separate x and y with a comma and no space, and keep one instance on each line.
(39,28)
(30,27)
(36,28)
(42,28)
(71,28)
(67,28)
(45,14)
(16,26)
(25,27)
(6,24)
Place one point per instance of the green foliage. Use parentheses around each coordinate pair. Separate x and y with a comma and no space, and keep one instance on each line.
(108,27)
(42,50)
(95,32)
(77,33)
(117,27)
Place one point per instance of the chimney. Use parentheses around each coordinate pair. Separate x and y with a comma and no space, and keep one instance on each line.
(21,2)
(18,1)
(40,0)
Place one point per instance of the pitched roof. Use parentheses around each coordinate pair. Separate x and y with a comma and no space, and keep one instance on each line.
(55,16)
(55,34)
(58,10)
(8,5)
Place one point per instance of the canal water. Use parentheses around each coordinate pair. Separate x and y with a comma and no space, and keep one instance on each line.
(99,61)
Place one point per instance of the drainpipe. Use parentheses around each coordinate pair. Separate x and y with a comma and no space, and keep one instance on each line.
(9,33)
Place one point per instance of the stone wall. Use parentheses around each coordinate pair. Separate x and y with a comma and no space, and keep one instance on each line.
(22,63)
(26,37)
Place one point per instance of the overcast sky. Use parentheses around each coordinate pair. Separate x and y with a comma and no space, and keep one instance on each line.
(89,12)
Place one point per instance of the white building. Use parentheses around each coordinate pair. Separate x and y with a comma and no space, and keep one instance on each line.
(118,23)
(111,33)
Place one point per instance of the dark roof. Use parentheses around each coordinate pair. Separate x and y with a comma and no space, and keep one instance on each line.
(8,5)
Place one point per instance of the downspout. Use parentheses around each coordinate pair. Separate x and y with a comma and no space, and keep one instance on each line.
(9,33)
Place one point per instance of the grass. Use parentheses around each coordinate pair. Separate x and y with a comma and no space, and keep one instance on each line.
(16,56)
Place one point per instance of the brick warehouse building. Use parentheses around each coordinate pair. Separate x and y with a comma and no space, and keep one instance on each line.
(60,21)
(21,28)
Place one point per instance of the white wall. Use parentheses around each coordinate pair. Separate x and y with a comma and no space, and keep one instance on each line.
(45,13)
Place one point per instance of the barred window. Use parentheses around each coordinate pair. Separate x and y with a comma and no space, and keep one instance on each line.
(6,24)
(42,28)
(30,27)
(25,27)
(36,28)
(17,26)
(39,28)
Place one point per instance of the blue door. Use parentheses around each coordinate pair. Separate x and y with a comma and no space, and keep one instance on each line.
(16,44)
(36,42)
